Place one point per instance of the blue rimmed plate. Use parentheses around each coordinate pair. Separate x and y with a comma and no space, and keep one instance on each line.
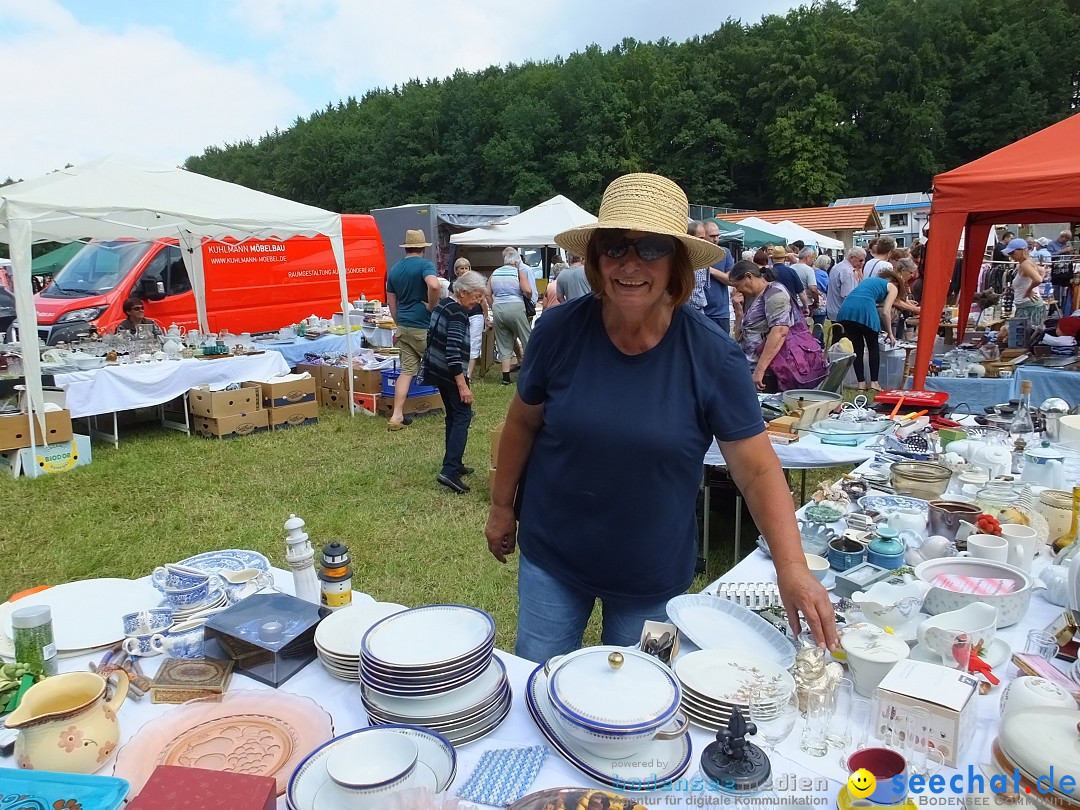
(432,636)
(640,772)
(433,748)
(885,503)
(44,789)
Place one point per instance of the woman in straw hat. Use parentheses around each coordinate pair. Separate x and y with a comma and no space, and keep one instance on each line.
(620,395)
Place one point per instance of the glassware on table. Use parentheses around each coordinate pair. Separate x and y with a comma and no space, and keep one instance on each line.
(818,704)
(774,712)
(922,758)
(1042,644)
(838,732)
(860,728)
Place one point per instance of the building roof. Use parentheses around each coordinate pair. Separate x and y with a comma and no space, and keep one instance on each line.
(890,202)
(828,218)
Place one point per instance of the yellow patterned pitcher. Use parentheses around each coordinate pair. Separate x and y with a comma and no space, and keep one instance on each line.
(65,724)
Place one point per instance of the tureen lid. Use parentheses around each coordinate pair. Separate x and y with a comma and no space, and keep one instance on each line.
(873,644)
(614,687)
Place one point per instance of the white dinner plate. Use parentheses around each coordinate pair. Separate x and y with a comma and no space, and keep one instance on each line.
(996,654)
(434,750)
(341,632)
(730,677)
(448,704)
(424,690)
(88,613)
(486,718)
(427,635)
(712,622)
(657,764)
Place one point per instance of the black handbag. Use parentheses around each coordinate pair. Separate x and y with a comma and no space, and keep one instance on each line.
(530,307)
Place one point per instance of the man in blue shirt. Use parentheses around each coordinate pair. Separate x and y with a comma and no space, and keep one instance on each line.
(412,292)
(717,296)
(787,276)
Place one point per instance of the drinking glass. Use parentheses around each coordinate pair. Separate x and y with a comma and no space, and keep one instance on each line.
(774,713)
(818,704)
(1042,644)
(860,728)
(837,732)
(922,757)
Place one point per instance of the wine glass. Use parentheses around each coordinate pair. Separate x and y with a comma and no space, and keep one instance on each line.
(774,713)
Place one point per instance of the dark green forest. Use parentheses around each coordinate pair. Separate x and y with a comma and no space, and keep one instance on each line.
(831,100)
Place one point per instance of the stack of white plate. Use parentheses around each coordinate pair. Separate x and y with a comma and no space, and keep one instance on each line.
(433,667)
(338,636)
(715,681)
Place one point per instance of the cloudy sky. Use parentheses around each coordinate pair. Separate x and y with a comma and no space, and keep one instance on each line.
(164,80)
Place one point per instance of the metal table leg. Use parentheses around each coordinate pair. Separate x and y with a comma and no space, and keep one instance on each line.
(705,520)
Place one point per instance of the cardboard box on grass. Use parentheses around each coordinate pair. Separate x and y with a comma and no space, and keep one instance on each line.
(288,392)
(231,427)
(334,398)
(290,416)
(367,403)
(34,462)
(947,694)
(316,373)
(15,430)
(414,406)
(216,404)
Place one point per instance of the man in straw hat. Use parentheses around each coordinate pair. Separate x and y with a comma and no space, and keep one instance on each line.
(412,292)
(620,395)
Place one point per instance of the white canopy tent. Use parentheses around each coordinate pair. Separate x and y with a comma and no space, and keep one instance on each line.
(809,237)
(118,197)
(535,227)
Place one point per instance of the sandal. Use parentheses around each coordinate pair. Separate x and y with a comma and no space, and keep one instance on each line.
(395,425)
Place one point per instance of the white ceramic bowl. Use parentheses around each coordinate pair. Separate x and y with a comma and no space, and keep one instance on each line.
(977,619)
(374,763)
(614,701)
(1011,606)
(1030,691)
(818,566)
(871,653)
(888,605)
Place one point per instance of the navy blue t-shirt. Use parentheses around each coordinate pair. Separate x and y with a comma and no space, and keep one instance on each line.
(607,502)
(787,276)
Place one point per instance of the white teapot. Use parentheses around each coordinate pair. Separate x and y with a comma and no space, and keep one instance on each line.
(174,331)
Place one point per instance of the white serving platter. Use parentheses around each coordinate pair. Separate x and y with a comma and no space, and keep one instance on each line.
(711,622)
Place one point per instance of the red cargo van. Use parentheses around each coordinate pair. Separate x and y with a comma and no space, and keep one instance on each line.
(251,286)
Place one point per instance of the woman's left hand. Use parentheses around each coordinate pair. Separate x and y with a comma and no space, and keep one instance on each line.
(802,593)
(759,378)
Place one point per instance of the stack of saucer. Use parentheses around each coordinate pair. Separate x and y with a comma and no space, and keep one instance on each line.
(433,666)
(715,681)
(338,636)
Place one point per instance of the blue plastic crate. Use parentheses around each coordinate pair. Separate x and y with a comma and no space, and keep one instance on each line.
(389,381)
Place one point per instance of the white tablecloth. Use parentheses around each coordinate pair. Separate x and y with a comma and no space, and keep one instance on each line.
(806,454)
(139,385)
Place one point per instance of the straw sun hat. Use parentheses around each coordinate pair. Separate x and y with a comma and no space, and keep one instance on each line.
(648,203)
(415,239)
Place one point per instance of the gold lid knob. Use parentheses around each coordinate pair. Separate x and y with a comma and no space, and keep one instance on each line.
(615,660)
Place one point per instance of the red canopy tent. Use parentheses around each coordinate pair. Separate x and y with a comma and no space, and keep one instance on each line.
(1036,179)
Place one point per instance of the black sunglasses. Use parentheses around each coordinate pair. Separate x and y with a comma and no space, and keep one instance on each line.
(649,248)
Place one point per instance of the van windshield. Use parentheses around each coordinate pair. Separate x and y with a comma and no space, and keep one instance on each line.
(96,269)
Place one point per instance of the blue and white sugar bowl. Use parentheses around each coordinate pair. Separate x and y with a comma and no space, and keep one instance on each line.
(886,550)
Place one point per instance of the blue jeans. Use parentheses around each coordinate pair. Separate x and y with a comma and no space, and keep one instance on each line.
(458,418)
(552,615)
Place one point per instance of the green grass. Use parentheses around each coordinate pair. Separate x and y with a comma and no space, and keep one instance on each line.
(163,496)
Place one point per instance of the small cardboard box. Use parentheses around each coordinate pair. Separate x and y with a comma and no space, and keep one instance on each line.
(218,404)
(367,382)
(368,403)
(334,398)
(947,694)
(429,403)
(229,427)
(496,437)
(292,392)
(54,458)
(333,377)
(316,372)
(290,416)
(15,430)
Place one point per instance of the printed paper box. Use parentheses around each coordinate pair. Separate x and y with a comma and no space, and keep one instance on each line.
(55,458)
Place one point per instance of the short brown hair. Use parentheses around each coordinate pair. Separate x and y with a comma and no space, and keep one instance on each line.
(682,272)
(131,303)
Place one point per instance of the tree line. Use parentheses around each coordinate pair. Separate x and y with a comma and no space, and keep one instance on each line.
(829,100)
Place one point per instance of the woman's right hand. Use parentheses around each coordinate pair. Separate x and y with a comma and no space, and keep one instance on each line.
(501,532)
